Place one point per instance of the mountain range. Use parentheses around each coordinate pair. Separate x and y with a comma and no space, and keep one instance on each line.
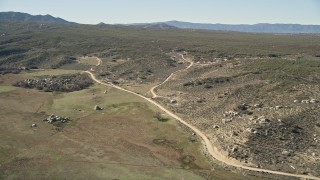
(256,28)
(18,16)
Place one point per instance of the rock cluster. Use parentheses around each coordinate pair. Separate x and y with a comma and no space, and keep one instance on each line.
(47,82)
(226,120)
(63,83)
(53,118)
(230,114)
(309,101)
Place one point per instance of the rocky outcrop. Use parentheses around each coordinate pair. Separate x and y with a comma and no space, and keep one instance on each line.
(53,119)
(63,83)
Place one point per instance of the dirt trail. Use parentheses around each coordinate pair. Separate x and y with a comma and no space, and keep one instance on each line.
(154,95)
(212,150)
(99,61)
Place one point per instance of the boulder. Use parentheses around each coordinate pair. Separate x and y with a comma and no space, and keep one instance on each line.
(286,153)
(258,106)
(216,126)
(234,149)
(297,130)
(97,108)
(33,125)
(51,119)
(173,101)
(313,101)
(251,130)
(263,120)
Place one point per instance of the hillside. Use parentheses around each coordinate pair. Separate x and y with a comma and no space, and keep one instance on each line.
(18,16)
(56,43)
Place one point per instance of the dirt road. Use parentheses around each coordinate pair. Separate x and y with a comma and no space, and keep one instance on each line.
(212,150)
(152,90)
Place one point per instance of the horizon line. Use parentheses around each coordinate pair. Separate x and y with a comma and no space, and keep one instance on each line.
(165,21)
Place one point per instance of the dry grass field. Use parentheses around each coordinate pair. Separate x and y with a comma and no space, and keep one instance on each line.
(123,141)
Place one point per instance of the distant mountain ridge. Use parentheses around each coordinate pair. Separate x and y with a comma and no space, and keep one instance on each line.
(18,16)
(256,28)
(164,26)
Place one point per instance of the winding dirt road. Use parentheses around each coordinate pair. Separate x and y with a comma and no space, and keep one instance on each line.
(98,63)
(152,90)
(213,151)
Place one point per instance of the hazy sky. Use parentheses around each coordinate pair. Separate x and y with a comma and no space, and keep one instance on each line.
(204,11)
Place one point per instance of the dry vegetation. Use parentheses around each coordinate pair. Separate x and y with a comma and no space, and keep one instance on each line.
(262,112)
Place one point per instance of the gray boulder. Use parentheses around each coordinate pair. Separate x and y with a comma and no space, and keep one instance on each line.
(286,153)
(97,108)
(173,101)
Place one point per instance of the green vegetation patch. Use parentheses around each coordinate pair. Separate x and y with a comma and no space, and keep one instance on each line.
(4,89)
(161,117)
(188,162)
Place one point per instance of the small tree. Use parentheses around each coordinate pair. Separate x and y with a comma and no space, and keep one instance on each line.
(160,117)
